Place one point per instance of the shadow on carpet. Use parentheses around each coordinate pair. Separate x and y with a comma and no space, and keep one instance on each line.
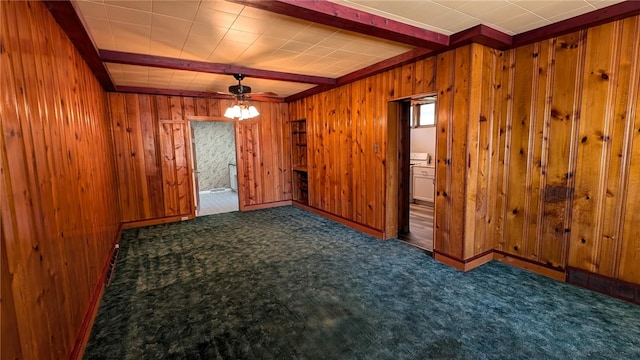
(283,283)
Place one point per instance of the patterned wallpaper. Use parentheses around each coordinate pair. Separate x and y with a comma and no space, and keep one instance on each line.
(215,150)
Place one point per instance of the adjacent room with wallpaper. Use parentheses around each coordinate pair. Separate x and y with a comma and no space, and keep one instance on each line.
(212,179)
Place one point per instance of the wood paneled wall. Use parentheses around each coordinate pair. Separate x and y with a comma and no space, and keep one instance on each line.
(572,151)
(347,141)
(538,149)
(466,163)
(264,157)
(60,215)
(153,153)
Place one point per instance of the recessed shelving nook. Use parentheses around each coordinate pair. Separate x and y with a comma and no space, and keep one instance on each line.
(300,180)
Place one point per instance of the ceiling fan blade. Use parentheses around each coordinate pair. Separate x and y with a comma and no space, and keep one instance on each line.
(265,93)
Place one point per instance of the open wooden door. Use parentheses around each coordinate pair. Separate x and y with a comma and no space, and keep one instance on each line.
(194,166)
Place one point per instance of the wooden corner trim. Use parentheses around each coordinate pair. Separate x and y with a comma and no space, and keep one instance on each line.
(464,265)
(352,224)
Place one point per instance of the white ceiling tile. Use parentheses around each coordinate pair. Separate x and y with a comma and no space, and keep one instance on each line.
(599,4)
(168,23)
(222,5)
(548,9)
(97,25)
(164,49)
(501,13)
(525,21)
(131,4)
(251,25)
(167,37)
(285,30)
(570,14)
(92,9)
(215,17)
(241,36)
(199,47)
(103,40)
(132,34)
(185,10)
(296,46)
(208,29)
(227,51)
(126,15)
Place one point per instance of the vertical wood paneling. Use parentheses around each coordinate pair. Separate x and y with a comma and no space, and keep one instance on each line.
(153,154)
(595,139)
(518,151)
(619,124)
(574,108)
(59,217)
(264,156)
(560,121)
(510,148)
(444,85)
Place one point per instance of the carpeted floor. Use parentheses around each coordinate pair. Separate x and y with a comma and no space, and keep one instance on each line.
(286,284)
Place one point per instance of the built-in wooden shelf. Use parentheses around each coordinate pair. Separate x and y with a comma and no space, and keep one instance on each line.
(300,179)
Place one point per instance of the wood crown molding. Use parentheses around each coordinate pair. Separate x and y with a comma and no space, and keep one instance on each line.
(65,15)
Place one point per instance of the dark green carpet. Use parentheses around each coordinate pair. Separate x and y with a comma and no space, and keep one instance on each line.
(286,284)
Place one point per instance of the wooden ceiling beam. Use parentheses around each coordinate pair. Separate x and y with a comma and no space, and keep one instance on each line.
(65,15)
(207,67)
(342,17)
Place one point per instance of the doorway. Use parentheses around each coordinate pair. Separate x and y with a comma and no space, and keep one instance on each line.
(215,175)
(417,145)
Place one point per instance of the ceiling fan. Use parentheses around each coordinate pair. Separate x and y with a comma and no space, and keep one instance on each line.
(242,110)
(243,92)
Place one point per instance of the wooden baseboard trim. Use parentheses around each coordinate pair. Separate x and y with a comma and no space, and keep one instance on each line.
(87,324)
(365,229)
(266,205)
(617,288)
(529,265)
(464,265)
(157,221)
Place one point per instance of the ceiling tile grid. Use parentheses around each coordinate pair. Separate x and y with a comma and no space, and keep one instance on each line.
(225,32)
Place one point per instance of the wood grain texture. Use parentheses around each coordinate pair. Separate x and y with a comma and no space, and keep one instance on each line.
(60,212)
(513,171)
(153,153)
(569,168)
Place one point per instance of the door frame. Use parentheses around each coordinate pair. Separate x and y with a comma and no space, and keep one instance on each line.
(398,153)
(192,164)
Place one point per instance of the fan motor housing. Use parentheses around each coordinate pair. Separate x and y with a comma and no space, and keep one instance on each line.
(239,89)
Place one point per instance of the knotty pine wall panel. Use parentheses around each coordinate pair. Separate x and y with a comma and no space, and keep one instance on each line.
(264,157)
(153,153)
(569,151)
(60,214)
(605,153)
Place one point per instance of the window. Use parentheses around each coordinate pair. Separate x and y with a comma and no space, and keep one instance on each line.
(423,112)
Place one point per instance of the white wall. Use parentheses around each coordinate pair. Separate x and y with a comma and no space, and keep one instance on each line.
(423,140)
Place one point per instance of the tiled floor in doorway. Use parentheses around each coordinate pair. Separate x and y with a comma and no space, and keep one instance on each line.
(217,202)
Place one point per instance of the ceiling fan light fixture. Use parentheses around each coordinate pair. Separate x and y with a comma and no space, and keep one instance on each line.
(241,111)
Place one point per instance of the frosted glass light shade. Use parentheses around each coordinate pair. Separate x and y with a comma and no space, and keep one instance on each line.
(241,111)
